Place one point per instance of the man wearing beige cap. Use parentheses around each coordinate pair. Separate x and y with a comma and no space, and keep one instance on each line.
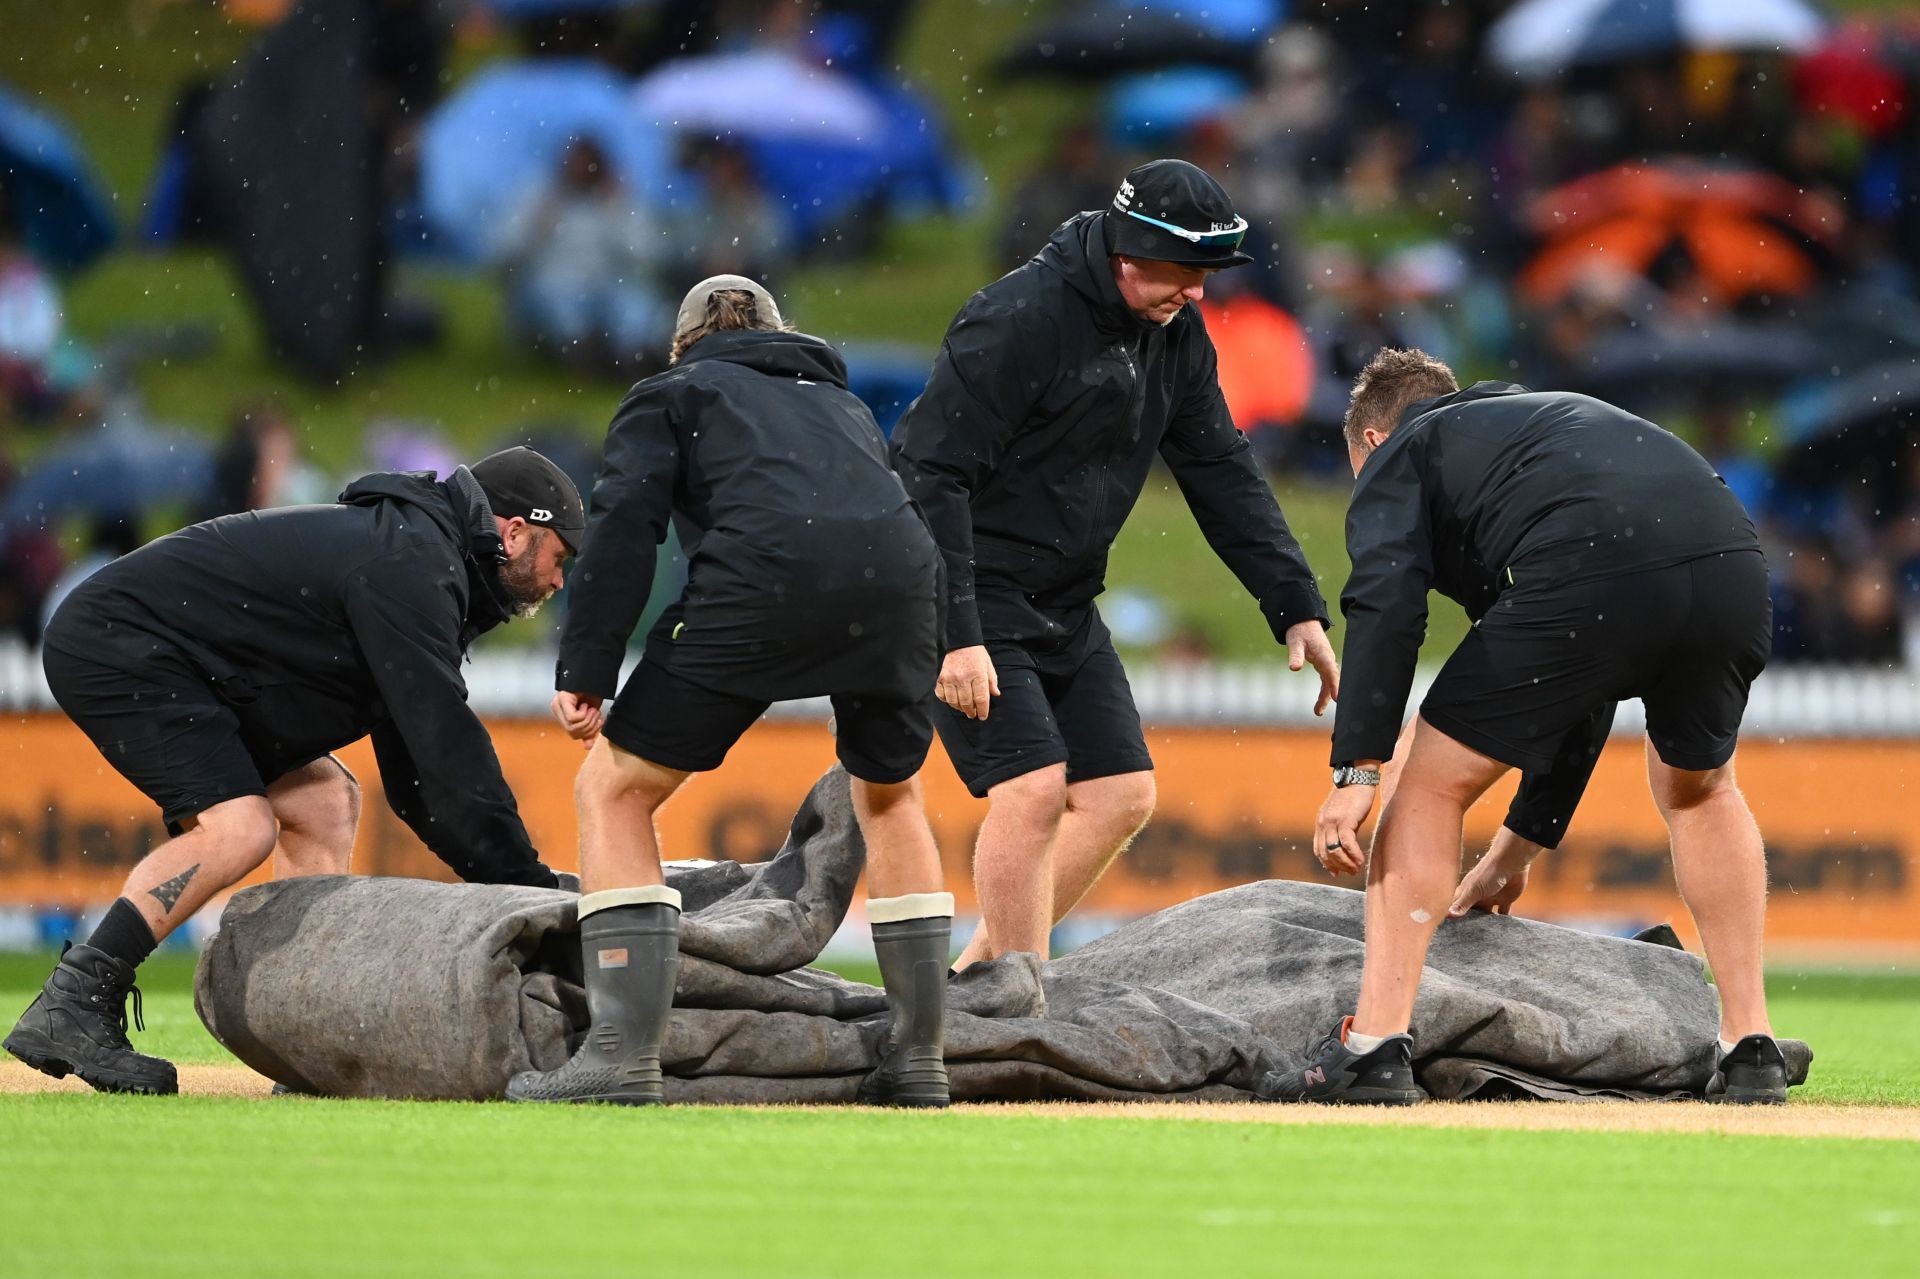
(810,574)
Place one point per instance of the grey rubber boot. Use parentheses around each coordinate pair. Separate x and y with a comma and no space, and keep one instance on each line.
(78,1026)
(630,955)
(913,956)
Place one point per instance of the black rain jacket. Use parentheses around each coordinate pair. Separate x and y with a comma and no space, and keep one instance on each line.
(320,624)
(809,572)
(1496,487)
(1040,422)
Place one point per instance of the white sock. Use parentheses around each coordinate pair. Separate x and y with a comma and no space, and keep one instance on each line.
(1725,1047)
(1361,1045)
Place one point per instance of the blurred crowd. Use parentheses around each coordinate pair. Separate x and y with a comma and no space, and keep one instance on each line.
(1723,237)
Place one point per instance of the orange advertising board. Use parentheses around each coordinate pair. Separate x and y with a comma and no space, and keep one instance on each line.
(1235,805)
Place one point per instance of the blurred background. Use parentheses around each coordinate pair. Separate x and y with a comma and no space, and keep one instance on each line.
(251,248)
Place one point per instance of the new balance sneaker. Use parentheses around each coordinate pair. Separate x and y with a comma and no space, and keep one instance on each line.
(1335,1075)
(1753,1074)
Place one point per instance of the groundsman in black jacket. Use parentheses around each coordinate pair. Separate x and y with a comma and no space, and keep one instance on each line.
(1600,558)
(218,667)
(1056,388)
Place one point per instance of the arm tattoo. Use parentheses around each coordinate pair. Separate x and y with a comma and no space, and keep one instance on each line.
(169,893)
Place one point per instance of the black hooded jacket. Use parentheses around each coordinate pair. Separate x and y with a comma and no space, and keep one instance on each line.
(809,570)
(1495,488)
(320,624)
(1046,406)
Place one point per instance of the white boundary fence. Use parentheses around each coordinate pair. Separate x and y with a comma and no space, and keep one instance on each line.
(1787,701)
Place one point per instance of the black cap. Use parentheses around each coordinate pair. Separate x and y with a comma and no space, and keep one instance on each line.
(518,481)
(1172,211)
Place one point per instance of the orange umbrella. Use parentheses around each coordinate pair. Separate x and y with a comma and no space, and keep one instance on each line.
(1266,366)
(1742,233)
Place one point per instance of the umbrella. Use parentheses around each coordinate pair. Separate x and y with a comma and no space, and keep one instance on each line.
(1649,367)
(1865,427)
(1108,40)
(120,468)
(1542,37)
(1743,233)
(50,188)
(1851,78)
(760,93)
(505,130)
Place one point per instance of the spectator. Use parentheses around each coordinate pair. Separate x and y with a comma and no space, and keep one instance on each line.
(30,324)
(260,466)
(582,266)
(733,227)
(1076,175)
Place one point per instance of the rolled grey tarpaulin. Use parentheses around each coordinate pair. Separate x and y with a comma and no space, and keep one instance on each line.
(360,987)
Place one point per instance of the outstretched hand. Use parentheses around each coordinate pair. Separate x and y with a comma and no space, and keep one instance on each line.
(1307,644)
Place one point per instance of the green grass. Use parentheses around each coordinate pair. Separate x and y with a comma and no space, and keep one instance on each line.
(202,1187)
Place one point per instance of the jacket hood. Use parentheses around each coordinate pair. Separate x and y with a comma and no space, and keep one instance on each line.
(459,507)
(775,353)
(1078,251)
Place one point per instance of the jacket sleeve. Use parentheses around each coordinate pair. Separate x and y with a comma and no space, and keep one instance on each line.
(992,369)
(437,763)
(1545,803)
(632,507)
(1214,465)
(1390,541)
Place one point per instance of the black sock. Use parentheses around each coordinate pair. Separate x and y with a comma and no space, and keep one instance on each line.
(124,934)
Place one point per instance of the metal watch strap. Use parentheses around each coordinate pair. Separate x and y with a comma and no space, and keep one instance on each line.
(1347,775)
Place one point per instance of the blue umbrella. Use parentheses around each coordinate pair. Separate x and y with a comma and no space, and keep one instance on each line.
(122,467)
(50,187)
(1541,37)
(504,131)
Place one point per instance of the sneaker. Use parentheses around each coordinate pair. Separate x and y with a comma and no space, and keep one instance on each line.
(1335,1075)
(1753,1074)
(78,1026)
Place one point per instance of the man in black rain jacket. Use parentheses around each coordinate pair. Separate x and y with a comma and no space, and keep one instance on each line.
(1600,558)
(1056,388)
(217,669)
(809,573)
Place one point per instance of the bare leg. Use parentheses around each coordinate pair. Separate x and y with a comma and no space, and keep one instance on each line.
(1720,866)
(1413,870)
(318,808)
(617,795)
(1013,862)
(1102,816)
(219,847)
(901,855)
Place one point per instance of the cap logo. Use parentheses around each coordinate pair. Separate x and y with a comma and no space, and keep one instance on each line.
(540,515)
(1123,199)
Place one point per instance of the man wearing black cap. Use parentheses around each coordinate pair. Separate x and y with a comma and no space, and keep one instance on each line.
(1056,387)
(810,574)
(218,667)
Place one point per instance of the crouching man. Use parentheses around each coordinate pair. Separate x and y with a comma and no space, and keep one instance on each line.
(810,573)
(218,667)
(1601,559)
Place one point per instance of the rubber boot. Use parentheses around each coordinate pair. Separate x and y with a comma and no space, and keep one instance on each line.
(630,955)
(912,936)
(78,1026)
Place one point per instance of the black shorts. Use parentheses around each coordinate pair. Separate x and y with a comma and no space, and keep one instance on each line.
(667,720)
(164,731)
(1063,698)
(1688,641)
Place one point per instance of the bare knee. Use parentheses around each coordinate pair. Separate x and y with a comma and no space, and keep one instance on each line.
(883,799)
(615,777)
(1679,790)
(244,828)
(1128,799)
(1039,797)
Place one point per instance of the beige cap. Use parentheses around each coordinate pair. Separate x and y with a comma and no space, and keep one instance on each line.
(693,308)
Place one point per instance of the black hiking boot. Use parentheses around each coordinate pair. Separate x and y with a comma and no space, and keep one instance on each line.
(913,966)
(1336,1075)
(1753,1074)
(630,957)
(78,1026)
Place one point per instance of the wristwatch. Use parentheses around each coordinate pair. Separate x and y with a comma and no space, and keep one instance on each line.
(1348,775)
